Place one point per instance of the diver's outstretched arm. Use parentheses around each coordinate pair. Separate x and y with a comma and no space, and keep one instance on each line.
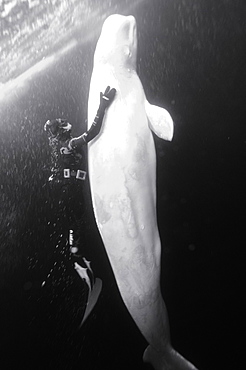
(105,100)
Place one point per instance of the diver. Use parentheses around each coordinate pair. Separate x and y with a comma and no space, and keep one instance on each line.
(66,220)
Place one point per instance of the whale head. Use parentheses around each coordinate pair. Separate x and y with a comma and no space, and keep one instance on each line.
(117,44)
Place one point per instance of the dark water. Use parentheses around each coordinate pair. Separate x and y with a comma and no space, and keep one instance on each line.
(190,60)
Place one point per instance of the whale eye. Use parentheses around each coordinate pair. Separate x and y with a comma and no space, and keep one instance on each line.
(127,52)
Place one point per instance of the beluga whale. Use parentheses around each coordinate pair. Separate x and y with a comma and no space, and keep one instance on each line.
(122,173)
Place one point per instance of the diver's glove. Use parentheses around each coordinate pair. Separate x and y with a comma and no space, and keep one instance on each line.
(106,99)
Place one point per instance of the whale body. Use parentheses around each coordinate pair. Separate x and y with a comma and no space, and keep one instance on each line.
(122,173)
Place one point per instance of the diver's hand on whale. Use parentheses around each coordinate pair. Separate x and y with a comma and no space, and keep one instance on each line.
(106,98)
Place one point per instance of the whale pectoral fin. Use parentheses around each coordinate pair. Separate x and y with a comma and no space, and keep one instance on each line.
(160,121)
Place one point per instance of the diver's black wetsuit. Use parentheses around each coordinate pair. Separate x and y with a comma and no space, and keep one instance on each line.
(65,293)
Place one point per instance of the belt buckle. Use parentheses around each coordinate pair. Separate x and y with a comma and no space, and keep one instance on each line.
(66,173)
(81,175)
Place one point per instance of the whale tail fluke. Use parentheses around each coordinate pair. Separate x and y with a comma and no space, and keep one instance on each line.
(168,360)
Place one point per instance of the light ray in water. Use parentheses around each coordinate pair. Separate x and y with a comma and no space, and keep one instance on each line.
(22,80)
(31,31)
(33,35)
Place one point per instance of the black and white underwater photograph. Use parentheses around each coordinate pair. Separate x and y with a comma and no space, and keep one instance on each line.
(122,200)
